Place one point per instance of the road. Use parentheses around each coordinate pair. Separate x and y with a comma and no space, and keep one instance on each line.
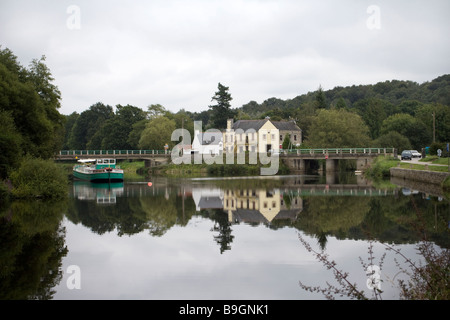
(417,161)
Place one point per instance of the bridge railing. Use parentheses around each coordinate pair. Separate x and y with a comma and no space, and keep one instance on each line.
(110,152)
(340,151)
(325,151)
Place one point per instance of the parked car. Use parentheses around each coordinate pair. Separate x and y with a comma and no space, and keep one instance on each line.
(406,155)
(416,154)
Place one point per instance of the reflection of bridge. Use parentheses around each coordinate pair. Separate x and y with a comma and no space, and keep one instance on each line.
(295,159)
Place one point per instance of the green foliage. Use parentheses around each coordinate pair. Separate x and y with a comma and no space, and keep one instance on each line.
(32,102)
(157,133)
(408,126)
(38,178)
(338,128)
(90,121)
(10,144)
(380,168)
(287,142)
(393,139)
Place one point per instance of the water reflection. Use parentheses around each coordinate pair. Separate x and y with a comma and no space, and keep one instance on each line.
(351,210)
(32,247)
(199,225)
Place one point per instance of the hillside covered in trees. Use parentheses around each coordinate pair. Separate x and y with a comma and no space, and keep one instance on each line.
(401,114)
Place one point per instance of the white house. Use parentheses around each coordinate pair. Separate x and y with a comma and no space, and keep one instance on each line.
(209,142)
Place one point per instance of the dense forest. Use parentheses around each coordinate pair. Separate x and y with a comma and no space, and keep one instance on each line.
(400,114)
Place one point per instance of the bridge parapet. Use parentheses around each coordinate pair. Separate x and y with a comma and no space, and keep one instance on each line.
(339,151)
(117,154)
(299,154)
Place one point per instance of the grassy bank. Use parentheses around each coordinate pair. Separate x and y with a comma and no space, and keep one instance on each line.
(223,170)
(380,167)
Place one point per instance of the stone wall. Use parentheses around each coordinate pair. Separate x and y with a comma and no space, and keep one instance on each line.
(420,175)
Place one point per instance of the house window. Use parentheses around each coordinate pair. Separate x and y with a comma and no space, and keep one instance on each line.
(295,137)
(281,137)
(264,137)
(273,136)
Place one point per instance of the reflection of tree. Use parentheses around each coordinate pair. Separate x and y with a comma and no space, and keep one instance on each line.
(388,218)
(161,214)
(32,249)
(132,215)
(332,215)
(223,227)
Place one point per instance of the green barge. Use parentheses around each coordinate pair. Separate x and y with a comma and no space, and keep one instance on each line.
(98,170)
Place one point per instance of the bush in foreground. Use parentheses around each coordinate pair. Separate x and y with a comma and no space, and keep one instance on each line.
(37,178)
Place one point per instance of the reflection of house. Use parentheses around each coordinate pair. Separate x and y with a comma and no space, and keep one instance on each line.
(259,135)
(259,206)
(248,205)
(209,142)
(207,198)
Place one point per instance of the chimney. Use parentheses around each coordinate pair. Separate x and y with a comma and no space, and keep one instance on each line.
(230,124)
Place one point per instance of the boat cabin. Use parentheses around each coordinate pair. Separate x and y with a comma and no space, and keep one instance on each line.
(105,163)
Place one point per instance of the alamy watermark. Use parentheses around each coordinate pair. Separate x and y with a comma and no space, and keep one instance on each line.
(74,279)
(214,151)
(73,21)
(373,22)
(374,277)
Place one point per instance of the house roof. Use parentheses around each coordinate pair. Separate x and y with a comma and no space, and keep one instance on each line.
(257,124)
(249,124)
(286,125)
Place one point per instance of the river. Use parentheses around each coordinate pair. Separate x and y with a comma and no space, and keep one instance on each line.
(213,238)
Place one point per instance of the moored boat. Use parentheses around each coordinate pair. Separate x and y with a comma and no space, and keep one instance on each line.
(98,170)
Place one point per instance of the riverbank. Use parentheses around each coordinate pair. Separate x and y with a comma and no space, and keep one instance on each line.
(426,176)
(190,170)
(426,172)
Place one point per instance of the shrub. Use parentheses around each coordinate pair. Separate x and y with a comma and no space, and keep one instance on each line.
(37,178)
(381,167)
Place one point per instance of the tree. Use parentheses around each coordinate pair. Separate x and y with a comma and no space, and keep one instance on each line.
(87,124)
(10,144)
(393,139)
(286,142)
(321,102)
(338,128)
(373,113)
(156,110)
(442,119)
(115,132)
(408,126)
(222,110)
(32,100)
(157,133)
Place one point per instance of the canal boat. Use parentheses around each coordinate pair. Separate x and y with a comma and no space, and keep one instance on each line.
(98,170)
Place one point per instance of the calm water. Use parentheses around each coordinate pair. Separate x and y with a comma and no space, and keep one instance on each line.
(210,238)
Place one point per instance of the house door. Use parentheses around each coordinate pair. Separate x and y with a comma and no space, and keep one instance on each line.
(269,147)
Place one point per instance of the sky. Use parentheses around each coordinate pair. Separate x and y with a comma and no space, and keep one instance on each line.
(175,53)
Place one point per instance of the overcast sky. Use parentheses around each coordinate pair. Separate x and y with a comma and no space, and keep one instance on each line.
(176,52)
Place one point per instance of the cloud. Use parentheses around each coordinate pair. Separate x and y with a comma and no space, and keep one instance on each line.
(175,52)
